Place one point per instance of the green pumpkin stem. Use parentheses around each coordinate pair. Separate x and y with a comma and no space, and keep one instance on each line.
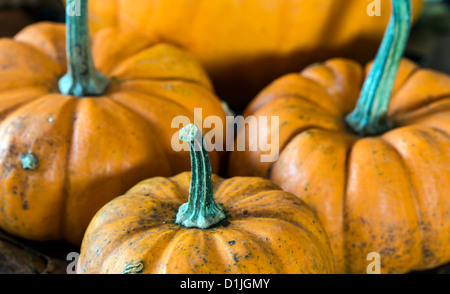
(82,78)
(200,211)
(370,116)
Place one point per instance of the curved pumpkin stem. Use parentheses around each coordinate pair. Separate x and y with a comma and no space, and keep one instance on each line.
(82,78)
(370,116)
(200,211)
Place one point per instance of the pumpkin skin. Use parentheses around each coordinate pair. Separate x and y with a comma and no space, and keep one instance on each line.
(89,149)
(387,193)
(256,237)
(255,41)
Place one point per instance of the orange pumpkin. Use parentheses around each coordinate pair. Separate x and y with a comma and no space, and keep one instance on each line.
(246,44)
(378,177)
(63,156)
(227,226)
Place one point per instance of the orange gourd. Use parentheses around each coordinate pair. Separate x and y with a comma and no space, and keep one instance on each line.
(378,177)
(225,226)
(245,44)
(66,151)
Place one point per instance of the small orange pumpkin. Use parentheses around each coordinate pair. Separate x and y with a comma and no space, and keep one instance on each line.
(239,225)
(67,151)
(378,177)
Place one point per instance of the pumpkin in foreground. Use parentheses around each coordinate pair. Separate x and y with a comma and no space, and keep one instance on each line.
(378,177)
(246,44)
(199,223)
(67,149)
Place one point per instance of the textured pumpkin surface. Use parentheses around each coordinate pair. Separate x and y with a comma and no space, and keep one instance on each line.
(256,237)
(89,149)
(389,193)
(246,44)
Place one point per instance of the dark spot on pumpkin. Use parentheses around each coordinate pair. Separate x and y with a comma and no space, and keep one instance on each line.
(225,223)
(232,242)
(12,149)
(387,252)
(428,254)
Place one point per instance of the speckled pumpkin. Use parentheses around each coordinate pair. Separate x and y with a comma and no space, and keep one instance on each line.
(71,144)
(238,225)
(378,177)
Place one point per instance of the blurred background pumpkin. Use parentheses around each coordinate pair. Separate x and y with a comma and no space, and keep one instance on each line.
(246,44)
(241,59)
